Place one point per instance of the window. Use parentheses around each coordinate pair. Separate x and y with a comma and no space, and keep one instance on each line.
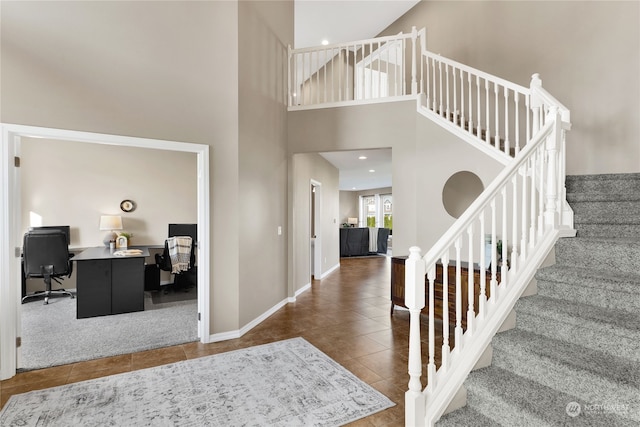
(377,210)
(387,211)
(369,209)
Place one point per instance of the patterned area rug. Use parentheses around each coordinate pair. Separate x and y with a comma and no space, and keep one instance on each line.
(286,383)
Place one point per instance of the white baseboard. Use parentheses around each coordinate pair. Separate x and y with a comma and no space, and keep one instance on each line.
(329,271)
(303,289)
(224,336)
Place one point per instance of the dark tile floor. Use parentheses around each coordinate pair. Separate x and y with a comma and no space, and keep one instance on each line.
(346,315)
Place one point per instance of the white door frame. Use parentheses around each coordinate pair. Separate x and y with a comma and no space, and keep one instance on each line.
(317,215)
(10,242)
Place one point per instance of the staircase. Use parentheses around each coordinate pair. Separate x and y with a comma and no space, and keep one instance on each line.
(524,207)
(574,356)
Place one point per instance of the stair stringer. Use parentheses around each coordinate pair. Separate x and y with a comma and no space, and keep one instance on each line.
(469,138)
(466,359)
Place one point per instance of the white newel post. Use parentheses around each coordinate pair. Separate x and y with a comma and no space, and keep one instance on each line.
(414,299)
(414,42)
(289,94)
(551,203)
(536,102)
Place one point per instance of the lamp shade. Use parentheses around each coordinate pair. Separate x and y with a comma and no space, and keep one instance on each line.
(110,222)
(352,221)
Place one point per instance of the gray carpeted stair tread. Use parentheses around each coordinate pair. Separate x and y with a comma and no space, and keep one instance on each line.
(585,373)
(604,176)
(466,416)
(606,214)
(621,255)
(602,230)
(610,330)
(512,400)
(623,219)
(591,287)
(607,196)
(609,240)
(602,183)
(613,208)
(591,277)
(603,214)
(555,308)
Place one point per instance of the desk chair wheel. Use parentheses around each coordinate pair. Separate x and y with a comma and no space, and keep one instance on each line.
(48,294)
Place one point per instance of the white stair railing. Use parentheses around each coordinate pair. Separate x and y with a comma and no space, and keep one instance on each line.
(490,108)
(522,212)
(383,68)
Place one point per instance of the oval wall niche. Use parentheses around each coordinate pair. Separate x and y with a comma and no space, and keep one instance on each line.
(461,189)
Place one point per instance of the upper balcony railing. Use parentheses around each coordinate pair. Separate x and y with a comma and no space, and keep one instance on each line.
(478,107)
(355,72)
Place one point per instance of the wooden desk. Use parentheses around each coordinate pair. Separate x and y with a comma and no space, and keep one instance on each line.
(108,284)
(397,288)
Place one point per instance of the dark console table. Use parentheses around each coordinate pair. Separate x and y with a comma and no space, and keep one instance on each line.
(108,284)
(398,289)
(355,241)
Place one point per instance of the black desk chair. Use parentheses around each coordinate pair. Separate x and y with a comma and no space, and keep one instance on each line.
(183,279)
(46,255)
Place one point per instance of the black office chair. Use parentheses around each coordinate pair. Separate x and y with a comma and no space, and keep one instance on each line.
(183,279)
(46,255)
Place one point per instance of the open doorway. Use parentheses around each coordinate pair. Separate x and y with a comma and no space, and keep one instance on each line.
(316,230)
(10,222)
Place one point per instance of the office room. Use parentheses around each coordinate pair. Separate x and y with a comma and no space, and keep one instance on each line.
(68,183)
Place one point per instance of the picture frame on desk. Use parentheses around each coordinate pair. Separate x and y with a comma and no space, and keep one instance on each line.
(121,242)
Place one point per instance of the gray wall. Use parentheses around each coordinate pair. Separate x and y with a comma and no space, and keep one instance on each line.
(74,183)
(307,167)
(264,30)
(348,206)
(170,70)
(587,54)
(369,126)
(424,156)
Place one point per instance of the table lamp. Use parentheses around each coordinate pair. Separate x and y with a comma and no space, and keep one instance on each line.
(352,221)
(110,223)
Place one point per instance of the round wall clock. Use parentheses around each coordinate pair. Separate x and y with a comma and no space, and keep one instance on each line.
(127,205)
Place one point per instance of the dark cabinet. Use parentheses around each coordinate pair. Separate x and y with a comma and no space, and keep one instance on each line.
(354,241)
(108,285)
(398,288)
(93,288)
(127,285)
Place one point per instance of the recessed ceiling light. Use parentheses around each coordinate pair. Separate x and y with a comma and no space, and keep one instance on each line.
(325,42)
(362,157)
(371,170)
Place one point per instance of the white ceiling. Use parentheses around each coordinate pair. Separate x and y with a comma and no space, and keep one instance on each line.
(356,174)
(345,21)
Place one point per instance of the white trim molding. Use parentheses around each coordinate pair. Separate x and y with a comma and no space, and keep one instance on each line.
(11,135)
